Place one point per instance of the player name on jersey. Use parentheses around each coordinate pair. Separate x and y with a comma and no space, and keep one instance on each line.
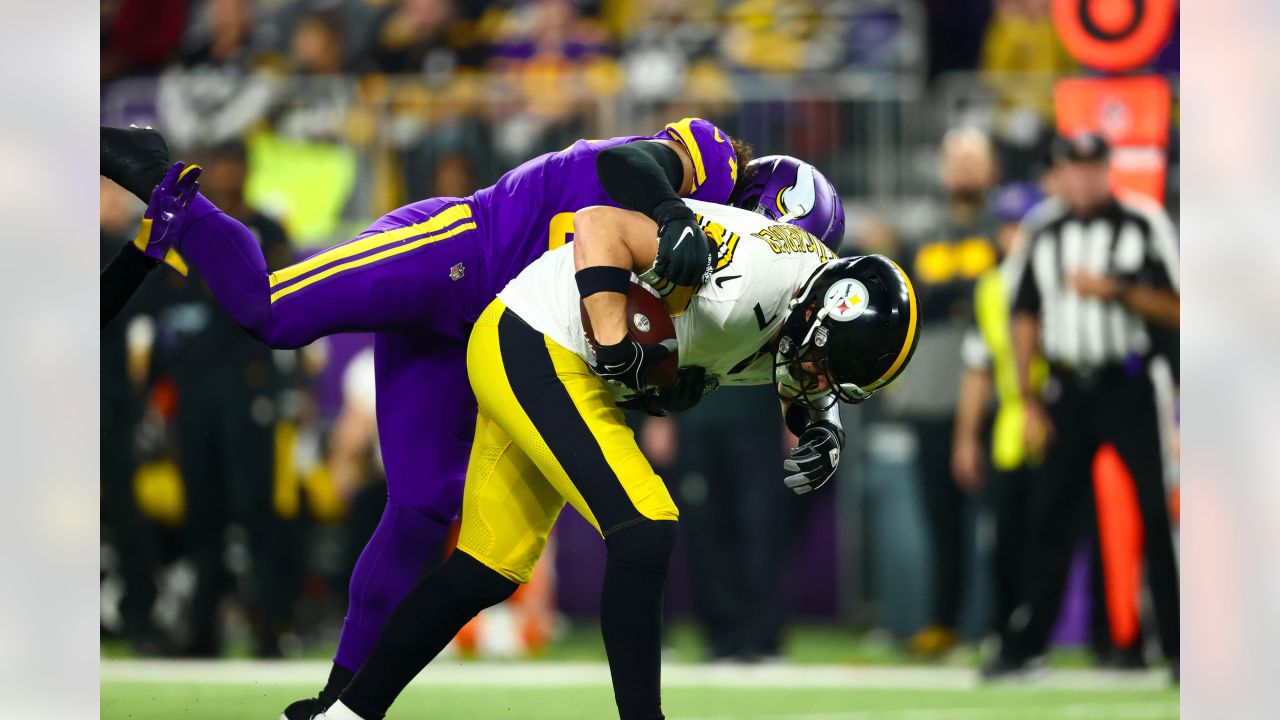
(726,325)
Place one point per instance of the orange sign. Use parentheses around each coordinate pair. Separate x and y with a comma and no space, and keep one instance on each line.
(1114,35)
(1132,113)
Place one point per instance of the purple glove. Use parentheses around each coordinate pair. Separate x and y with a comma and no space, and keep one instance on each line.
(166,214)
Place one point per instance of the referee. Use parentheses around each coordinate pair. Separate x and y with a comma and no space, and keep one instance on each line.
(1093,278)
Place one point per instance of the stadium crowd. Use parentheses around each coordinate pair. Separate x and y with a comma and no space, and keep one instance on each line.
(234,472)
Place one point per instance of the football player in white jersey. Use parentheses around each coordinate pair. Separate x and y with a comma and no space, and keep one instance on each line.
(776,307)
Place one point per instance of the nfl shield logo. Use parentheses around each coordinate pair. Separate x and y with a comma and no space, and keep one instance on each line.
(457,271)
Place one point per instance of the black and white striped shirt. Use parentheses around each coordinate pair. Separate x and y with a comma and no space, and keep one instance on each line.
(1132,240)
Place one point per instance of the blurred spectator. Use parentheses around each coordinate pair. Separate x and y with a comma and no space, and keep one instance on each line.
(424,36)
(314,104)
(223,182)
(552,31)
(1020,55)
(223,36)
(662,39)
(954,33)
(775,36)
(448,161)
(1021,40)
(989,451)
(738,520)
(874,236)
(123,375)
(222,86)
(229,391)
(317,47)
(139,36)
(879,38)
(453,178)
(549,56)
(354,458)
(944,267)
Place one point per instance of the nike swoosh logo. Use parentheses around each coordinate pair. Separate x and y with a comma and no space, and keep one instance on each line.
(687,231)
(721,280)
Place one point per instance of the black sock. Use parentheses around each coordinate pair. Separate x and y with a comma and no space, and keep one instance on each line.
(425,621)
(339,678)
(631,615)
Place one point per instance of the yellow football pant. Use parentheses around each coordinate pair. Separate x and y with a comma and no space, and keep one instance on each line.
(548,431)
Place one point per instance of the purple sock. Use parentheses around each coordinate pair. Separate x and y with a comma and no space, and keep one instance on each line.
(389,567)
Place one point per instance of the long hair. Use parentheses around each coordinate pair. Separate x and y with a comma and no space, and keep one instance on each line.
(743,151)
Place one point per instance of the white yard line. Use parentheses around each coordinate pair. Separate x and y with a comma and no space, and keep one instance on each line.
(456,673)
(1073,711)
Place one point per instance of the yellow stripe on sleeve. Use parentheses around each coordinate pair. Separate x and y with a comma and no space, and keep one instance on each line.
(372,258)
(355,247)
(143,238)
(683,131)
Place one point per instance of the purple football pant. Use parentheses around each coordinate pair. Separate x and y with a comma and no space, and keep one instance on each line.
(413,279)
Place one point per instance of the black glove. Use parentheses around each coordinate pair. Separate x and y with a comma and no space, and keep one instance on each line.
(627,362)
(691,382)
(690,385)
(815,459)
(685,254)
(645,402)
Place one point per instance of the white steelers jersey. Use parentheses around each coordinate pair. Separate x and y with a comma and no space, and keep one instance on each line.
(726,325)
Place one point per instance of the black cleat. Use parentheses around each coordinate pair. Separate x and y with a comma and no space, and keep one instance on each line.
(1002,668)
(304,709)
(1126,659)
(134,158)
(339,677)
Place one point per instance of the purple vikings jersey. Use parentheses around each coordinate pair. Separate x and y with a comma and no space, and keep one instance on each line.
(417,278)
(530,209)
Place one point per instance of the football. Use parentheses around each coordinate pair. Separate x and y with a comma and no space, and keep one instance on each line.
(647,322)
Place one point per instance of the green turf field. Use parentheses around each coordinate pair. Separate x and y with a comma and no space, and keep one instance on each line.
(210,702)
(830,674)
(158,690)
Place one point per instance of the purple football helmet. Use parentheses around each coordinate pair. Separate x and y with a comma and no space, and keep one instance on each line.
(790,190)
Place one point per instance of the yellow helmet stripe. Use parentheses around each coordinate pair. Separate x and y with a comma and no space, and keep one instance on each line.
(913,326)
(683,132)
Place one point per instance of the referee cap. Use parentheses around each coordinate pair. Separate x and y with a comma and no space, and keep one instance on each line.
(1083,147)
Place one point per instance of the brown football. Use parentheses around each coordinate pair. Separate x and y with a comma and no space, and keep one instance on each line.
(648,323)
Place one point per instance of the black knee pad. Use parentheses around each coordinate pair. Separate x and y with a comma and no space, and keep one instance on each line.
(473,586)
(646,545)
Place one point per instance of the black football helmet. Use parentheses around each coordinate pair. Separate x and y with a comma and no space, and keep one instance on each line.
(851,330)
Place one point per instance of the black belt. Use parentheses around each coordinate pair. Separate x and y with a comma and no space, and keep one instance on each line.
(1113,372)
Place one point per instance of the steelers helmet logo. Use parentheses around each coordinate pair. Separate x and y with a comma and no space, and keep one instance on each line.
(846,300)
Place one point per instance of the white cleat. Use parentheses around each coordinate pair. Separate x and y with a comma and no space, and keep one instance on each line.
(338,712)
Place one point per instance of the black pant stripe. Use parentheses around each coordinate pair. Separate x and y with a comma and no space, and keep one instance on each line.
(547,403)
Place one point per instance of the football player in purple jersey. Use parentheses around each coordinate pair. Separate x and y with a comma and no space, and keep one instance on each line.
(418,278)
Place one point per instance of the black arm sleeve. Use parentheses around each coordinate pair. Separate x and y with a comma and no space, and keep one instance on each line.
(640,175)
(121,278)
(1026,294)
